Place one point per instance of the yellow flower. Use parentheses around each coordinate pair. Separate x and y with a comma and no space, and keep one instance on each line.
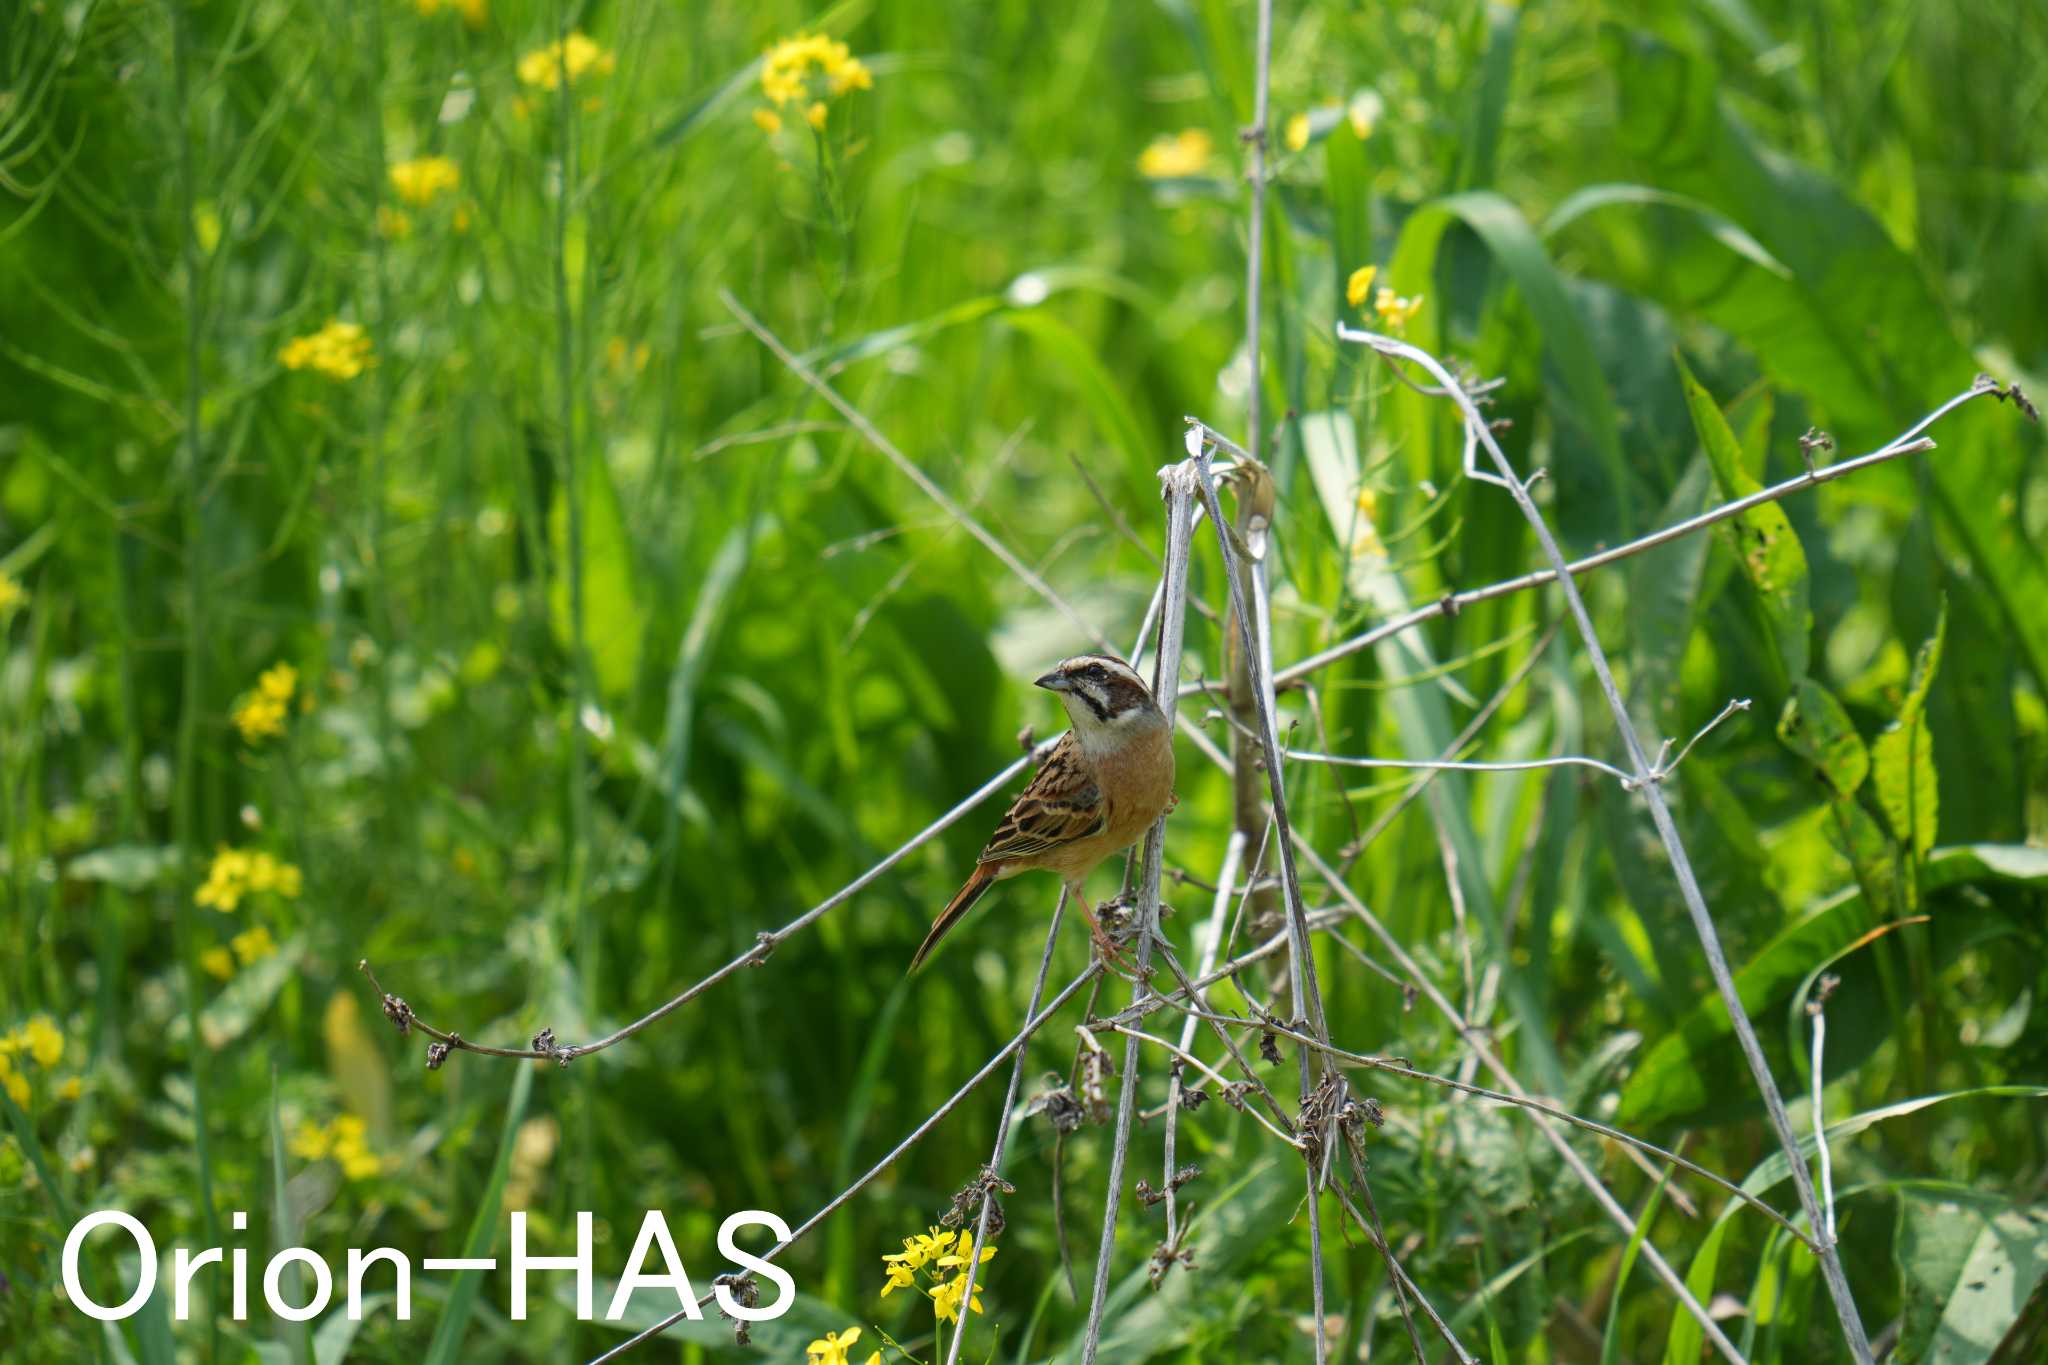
(311,1141)
(253,945)
(267,873)
(44,1042)
(576,54)
(226,880)
(259,717)
(15,1082)
(946,1299)
(70,1088)
(1180,154)
(831,1349)
(901,1275)
(419,180)
(237,872)
(459,220)
(786,68)
(277,682)
(393,224)
(473,11)
(358,1162)
(13,597)
(218,961)
(624,358)
(342,1140)
(768,121)
(815,115)
(959,1258)
(340,350)
(1359,286)
(1297,132)
(1394,310)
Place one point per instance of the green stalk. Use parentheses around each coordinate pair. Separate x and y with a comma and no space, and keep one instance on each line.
(185,813)
(375,591)
(572,493)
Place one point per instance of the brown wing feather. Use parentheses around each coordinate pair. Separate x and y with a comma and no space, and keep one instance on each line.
(1061,804)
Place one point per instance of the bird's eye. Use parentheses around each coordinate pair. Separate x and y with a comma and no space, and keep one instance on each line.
(1095,672)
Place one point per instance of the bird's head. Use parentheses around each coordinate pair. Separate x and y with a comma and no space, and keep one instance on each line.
(1104,696)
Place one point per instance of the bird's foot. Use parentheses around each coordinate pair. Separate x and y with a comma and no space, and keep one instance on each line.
(1115,922)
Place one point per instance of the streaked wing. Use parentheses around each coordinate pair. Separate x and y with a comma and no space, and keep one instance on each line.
(1061,804)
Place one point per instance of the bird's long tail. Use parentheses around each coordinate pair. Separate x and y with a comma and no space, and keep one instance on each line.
(963,900)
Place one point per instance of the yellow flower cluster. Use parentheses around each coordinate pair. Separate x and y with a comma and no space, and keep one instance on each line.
(42,1041)
(787,77)
(937,1253)
(576,54)
(1178,154)
(1393,310)
(239,872)
(420,179)
(13,597)
(248,947)
(340,350)
(344,1140)
(260,714)
(473,12)
(832,1348)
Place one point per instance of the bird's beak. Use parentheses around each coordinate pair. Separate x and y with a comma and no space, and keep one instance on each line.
(1056,682)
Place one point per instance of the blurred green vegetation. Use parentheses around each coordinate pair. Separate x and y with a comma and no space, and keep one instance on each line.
(609,646)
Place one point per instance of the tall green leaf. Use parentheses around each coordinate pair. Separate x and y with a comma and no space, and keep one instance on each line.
(1855,324)
(1770,554)
(1902,758)
(446,1345)
(614,619)
(1591,472)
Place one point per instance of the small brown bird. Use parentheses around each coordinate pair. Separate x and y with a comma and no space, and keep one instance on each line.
(1099,789)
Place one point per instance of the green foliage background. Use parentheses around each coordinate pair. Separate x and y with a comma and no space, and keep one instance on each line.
(618,647)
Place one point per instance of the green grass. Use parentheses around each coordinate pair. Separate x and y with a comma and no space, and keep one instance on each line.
(615,646)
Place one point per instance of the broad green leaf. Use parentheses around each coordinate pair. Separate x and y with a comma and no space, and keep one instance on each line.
(1590,469)
(1967,1265)
(1902,758)
(1489,98)
(1856,326)
(1814,726)
(1697,1068)
(1102,393)
(1770,554)
(1776,1167)
(614,619)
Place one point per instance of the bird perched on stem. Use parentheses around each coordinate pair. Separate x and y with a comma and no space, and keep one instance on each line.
(1100,788)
